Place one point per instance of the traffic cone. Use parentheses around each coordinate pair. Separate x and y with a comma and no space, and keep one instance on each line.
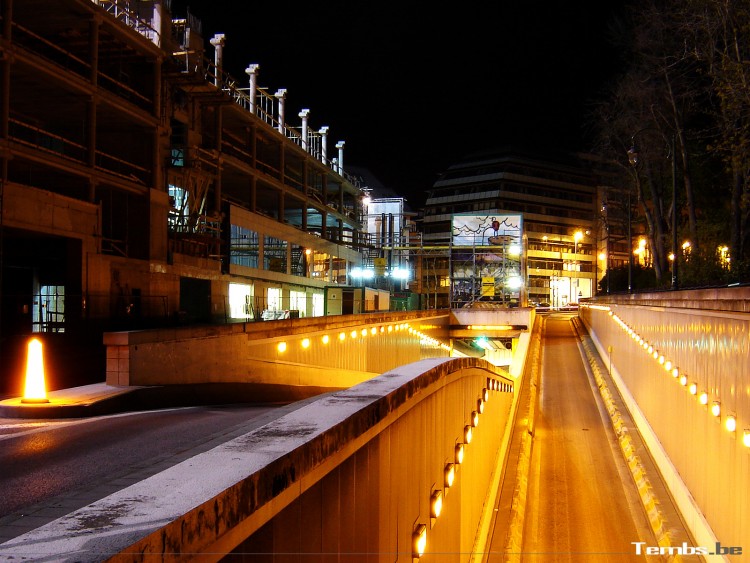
(35,390)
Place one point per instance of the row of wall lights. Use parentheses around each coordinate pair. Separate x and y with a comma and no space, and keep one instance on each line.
(730,420)
(305,343)
(419,537)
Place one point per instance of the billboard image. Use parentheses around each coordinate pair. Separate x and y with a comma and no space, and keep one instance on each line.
(486,257)
(486,230)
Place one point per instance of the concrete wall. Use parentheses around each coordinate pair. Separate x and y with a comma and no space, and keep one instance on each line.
(326,352)
(708,466)
(348,474)
(373,500)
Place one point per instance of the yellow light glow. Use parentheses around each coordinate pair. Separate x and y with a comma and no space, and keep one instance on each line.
(436,504)
(716,408)
(474,418)
(459,453)
(746,437)
(703,398)
(390,328)
(281,346)
(325,339)
(668,365)
(693,388)
(364,332)
(374,330)
(489,327)
(683,380)
(305,343)
(467,434)
(353,334)
(730,423)
(480,406)
(675,372)
(35,390)
(420,541)
(342,336)
(450,474)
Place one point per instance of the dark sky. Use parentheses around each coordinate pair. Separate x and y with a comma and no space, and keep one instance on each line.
(411,90)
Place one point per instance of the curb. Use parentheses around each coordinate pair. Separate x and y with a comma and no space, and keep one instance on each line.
(650,503)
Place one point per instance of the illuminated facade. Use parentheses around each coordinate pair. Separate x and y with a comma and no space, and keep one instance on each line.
(554,203)
(141,183)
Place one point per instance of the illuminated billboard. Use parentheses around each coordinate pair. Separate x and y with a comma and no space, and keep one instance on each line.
(486,230)
(486,257)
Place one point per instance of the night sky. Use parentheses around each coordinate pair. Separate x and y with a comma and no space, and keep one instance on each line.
(411,91)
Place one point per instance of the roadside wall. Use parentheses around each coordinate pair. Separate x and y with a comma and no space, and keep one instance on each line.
(706,465)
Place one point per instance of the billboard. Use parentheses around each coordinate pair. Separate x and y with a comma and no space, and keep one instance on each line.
(494,229)
(486,257)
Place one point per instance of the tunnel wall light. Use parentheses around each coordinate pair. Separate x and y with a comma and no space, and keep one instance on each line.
(436,504)
(474,418)
(703,398)
(730,423)
(449,475)
(746,437)
(459,453)
(281,346)
(467,434)
(419,543)
(716,408)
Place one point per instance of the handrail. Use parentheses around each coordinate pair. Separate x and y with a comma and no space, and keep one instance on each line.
(121,12)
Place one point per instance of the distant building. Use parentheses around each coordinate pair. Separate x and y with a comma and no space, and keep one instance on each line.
(536,227)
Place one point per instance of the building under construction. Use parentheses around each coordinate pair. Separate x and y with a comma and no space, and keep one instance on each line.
(141,184)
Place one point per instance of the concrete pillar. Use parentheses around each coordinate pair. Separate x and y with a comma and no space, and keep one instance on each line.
(303,114)
(156,23)
(252,72)
(281,97)
(340,146)
(218,41)
(324,144)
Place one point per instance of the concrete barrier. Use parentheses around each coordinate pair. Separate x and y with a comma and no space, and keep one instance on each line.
(353,472)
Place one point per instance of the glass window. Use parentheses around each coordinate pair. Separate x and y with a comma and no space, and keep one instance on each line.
(243,247)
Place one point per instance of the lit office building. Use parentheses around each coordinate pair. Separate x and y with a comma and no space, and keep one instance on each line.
(535,229)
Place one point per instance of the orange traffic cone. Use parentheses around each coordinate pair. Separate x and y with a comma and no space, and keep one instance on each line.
(35,390)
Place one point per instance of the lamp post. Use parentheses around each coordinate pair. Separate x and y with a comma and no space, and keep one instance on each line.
(633,159)
(578,235)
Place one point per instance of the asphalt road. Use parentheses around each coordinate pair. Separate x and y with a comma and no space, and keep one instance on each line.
(583,504)
(50,468)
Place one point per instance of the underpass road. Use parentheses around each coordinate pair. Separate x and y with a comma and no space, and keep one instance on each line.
(582,502)
(50,468)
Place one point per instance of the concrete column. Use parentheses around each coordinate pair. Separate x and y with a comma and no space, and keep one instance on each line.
(340,146)
(218,41)
(252,72)
(324,144)
(303,114)
(281,97)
